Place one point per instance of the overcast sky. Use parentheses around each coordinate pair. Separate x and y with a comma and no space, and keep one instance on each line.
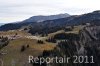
(17,10)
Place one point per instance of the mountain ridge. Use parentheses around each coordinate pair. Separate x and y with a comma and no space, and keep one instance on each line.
(93,17)
(2,24)
(41,18)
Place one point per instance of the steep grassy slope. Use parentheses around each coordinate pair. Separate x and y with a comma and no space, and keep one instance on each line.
(13,55)
(12,52)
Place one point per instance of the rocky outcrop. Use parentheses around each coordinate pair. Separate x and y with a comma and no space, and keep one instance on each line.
(88,45)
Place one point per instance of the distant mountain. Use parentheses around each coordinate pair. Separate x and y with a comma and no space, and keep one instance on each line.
(85,18)
(35,20)
(13,26)
(41,26)
(2,24)
(44,18)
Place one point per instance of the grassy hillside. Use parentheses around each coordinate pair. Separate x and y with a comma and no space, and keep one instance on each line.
(75,30)
(13,54)
(13,32)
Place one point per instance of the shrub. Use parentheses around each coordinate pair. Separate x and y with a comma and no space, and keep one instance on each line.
(22,48)
(27,46)
(40,42)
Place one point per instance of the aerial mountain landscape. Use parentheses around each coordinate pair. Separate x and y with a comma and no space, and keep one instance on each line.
(52,36)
